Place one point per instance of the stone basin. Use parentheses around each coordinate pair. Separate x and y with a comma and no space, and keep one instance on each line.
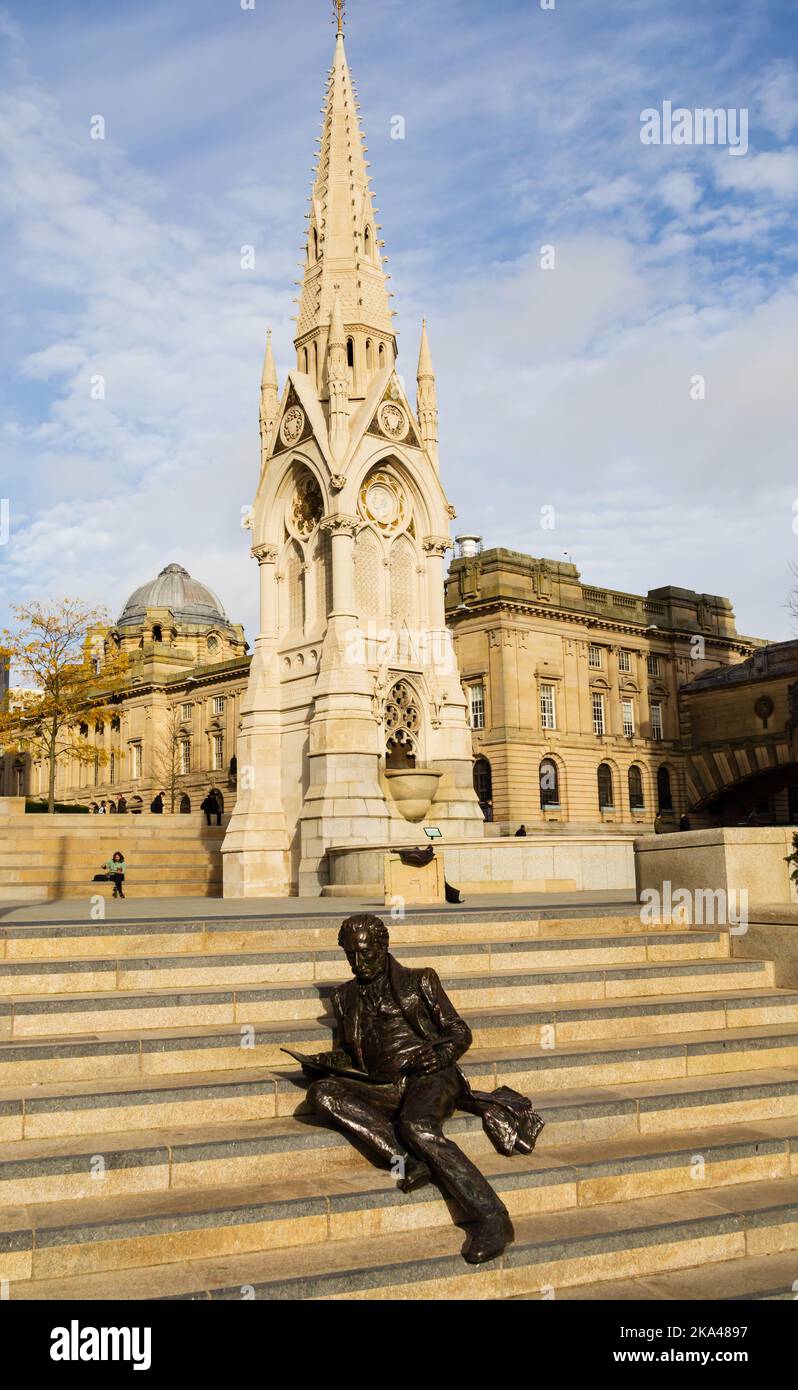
(413,790)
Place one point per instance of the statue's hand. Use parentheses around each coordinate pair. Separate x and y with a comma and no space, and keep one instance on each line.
(422,1061)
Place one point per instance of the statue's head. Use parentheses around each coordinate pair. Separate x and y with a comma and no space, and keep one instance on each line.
(364,938)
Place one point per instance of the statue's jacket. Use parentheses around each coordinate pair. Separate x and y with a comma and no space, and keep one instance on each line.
(507,1116)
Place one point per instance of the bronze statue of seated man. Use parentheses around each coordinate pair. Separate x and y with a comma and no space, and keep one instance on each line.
(397,1028)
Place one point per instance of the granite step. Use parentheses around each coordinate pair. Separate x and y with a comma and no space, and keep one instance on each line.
(117,935)
(44,1237)
(508,1045)
(552,1251)
(103,974)
(63,1014)
(257,1151)
(753,1278)
(149,1104)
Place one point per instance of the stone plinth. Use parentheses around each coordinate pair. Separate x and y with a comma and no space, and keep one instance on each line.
(729,860)
(412,884)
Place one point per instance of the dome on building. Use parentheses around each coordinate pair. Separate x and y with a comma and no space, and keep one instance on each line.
(188,600)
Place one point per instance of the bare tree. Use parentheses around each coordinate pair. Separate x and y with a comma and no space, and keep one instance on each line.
(168,754)
(62,652)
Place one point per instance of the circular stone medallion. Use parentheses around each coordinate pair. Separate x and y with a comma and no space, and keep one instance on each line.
(393,420)
(293,425)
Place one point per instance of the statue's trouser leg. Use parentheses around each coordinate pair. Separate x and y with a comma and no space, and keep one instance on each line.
(363,1111)
(428,1101)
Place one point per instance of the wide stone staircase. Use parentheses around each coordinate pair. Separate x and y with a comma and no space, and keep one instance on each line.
(153,1142)
(53,857)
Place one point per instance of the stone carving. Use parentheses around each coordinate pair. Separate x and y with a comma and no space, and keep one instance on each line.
(438,546)
(265,554)
(392,1081)
(293,425)
(384,503)
(338,482)
(307,507)
(402,718)
(340,524)
(393,421)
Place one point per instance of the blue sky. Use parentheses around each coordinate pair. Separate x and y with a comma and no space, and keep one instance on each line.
(567,388)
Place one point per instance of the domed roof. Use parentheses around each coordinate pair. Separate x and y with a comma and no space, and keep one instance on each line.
(188,600)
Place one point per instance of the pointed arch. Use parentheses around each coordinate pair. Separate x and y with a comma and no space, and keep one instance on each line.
(368,567)
(367,244)
(381,355)
(402,568)
(369,355)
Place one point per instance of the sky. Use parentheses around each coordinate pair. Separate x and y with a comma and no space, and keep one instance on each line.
(627,399)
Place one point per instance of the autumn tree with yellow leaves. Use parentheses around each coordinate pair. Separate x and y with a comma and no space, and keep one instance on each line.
(70,674)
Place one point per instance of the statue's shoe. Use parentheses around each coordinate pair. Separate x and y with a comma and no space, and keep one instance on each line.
(488,1239)
(417,1174)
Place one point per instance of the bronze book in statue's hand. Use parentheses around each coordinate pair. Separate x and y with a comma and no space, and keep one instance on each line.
(322,1066)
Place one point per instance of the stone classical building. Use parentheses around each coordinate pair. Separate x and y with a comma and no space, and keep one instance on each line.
(174,726)
(574,691)
(355,712)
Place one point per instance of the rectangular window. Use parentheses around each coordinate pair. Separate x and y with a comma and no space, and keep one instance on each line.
(218,752)
(185,757)
(548,708)
(625,662)
(476,695)
(656,722)
(628,719)
(135,761)
(594,658)
(598,714)
(185,711)
(218,704)
(653,664)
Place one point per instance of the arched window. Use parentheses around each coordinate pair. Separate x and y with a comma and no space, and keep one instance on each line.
(606,793)
(157,633)
(369,355)
(315,244)
(549,784)
(382,354)
(316,362)
(402,726)
(367,242)
(664,793)
(350,352)
(403,577)
(368,564)
(296,590)
(483,786)
(637,801)
(305,361)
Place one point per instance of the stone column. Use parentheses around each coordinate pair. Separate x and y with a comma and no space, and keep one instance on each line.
(436,549)
(266,556)
(341,530)
(255,850)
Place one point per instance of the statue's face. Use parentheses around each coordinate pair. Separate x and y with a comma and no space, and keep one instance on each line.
(367,956)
